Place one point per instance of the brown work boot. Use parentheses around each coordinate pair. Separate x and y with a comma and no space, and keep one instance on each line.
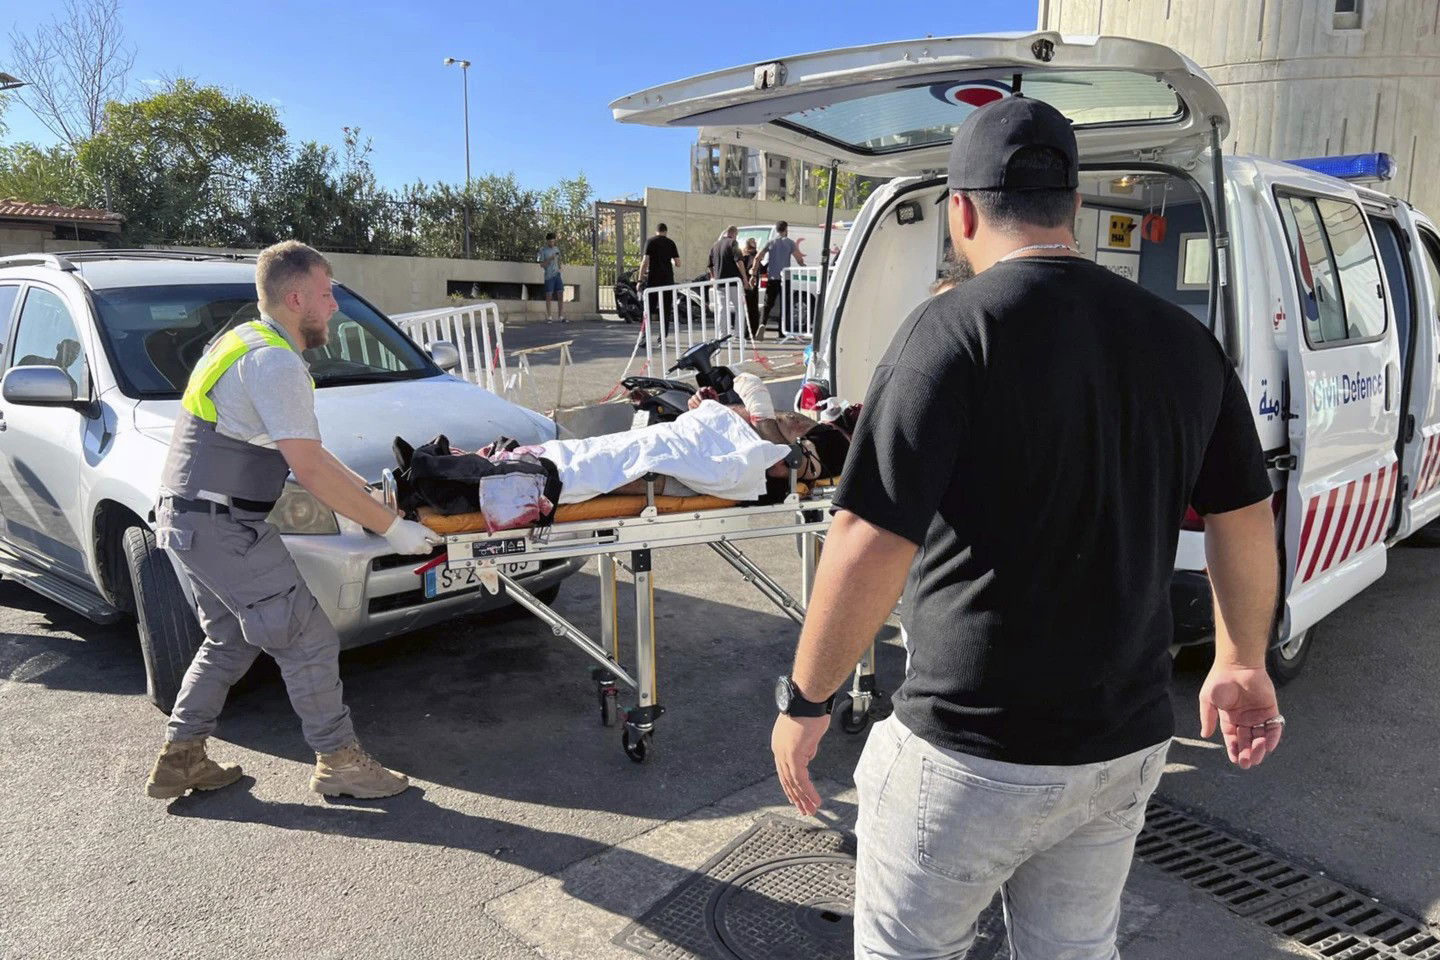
(182,765)
(352,772)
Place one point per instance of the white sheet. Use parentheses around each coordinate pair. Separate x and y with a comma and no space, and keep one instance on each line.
(710,449)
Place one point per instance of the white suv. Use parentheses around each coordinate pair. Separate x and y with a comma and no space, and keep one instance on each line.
(97,346)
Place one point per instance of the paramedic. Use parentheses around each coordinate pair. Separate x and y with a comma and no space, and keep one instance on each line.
(1028,447)
(247,420)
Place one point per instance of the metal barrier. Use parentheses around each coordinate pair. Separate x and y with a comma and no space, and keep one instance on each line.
(800,292)
(686,314)
(476,331)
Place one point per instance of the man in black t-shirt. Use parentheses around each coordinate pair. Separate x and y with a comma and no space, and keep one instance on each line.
(657,269)
(1028,447)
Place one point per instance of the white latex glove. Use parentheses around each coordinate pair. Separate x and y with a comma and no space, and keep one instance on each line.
(755,396)
(409,537)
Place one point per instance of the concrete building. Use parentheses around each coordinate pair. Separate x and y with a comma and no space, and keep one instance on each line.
(1302,78)
(730,170)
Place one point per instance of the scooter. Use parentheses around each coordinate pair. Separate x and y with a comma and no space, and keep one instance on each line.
(659,400)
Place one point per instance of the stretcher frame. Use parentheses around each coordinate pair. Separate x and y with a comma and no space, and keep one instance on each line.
(610,539)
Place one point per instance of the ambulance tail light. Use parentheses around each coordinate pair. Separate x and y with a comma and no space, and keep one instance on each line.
(1193,521)
(812,392)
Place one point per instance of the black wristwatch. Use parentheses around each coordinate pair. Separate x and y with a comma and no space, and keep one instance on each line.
(790,702)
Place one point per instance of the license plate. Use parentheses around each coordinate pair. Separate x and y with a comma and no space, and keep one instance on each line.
(443,580)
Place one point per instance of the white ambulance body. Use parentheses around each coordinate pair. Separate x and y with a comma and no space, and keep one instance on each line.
(1325,295)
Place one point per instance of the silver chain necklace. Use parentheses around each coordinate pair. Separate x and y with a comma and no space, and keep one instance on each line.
(1039,246)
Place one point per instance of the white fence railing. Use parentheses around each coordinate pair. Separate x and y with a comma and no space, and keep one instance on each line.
(476,331)
(680,315)
(800,294)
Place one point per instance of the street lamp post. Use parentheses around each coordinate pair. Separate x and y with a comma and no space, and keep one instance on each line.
(465,88)
(8,82)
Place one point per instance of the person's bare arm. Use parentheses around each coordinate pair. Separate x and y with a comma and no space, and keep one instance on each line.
(644,270)
(334,484)
(359,480)
(862,573)
(1238,695)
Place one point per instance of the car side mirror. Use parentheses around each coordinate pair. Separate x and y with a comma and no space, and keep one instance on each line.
(40,386)
(445,354)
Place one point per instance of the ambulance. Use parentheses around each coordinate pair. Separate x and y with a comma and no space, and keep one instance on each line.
(1322,290)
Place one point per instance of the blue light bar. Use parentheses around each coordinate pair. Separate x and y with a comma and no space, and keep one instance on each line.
(1356,166)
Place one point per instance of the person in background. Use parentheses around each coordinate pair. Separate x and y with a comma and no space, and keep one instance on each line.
(725,256)
(549,260)
(776,256)
(657,269)
(752,295)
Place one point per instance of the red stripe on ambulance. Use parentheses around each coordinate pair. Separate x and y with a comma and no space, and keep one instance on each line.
(1360,522)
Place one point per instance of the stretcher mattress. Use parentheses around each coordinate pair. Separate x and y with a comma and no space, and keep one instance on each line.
(597,508)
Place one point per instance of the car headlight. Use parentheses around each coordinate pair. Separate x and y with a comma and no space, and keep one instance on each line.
(298,512)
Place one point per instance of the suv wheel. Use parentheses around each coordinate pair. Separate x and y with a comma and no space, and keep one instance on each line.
(1288,659)
(169,631)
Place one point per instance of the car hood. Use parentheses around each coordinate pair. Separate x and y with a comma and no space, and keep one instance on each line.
(359,423)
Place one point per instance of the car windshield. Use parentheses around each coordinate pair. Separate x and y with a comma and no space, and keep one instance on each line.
(155,336)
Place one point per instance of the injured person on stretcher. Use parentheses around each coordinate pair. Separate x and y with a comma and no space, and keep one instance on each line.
(731,452)
(713,455)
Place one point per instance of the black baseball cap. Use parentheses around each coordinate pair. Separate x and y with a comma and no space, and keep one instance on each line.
(989,138)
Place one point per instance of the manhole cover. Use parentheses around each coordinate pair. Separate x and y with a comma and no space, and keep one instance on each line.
(783,890)
(792,908)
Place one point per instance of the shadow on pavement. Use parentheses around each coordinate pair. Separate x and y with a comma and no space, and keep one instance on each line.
(413,818)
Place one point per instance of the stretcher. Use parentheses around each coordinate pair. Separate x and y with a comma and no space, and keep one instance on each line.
(625,532)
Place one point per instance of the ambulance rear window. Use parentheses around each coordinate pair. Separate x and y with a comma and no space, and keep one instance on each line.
(928,111)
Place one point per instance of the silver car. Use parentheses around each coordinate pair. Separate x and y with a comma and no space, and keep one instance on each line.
(97,346)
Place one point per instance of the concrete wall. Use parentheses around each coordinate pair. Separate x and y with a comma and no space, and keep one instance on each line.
(1297,81)
(696,220)
(397,284)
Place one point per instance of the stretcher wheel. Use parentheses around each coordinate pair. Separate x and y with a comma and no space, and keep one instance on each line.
(851,722)
(637,745)
(609,698)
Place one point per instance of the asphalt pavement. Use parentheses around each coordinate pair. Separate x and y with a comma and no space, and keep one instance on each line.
(521,791)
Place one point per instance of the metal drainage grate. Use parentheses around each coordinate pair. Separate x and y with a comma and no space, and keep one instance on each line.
(1328,918)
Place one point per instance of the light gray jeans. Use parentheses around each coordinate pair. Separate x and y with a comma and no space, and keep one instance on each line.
(940,832)
(251,597)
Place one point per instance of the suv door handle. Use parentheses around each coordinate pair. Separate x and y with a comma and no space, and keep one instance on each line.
(2,421)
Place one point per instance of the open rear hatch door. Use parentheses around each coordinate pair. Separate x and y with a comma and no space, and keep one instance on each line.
(891,109)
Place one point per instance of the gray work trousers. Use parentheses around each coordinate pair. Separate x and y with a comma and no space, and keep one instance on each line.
(251,597)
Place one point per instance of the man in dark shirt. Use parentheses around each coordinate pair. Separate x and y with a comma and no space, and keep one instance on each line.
(725,256)
(1028,447)
(657,269)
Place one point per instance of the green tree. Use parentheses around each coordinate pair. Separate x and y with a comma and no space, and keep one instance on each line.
(164,160)
(851,190)
(45,175)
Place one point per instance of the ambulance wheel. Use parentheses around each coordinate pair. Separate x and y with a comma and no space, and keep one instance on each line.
(169,631)
(1288,659)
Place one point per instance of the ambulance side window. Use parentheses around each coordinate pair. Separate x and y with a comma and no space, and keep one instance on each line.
(1431,259)
(1360,282)
(1341,294)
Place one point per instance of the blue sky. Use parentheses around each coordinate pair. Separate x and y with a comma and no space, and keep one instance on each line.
(542,74)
